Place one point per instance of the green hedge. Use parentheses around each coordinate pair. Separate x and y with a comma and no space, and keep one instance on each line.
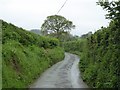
(100,61)
(26,55)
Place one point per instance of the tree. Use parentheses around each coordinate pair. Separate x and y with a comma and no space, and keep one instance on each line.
(113,9)
(55,25)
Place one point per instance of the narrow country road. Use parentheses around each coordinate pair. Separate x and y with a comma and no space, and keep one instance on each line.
(64,74)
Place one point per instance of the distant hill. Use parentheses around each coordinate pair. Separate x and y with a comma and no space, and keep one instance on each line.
(36,31)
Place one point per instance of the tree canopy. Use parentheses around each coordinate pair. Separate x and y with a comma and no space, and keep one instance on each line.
(56,25)
(113,9)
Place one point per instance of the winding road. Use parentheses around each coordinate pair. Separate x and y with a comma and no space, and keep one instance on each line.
(64,74)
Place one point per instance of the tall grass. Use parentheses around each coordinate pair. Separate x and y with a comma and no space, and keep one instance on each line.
(26,55)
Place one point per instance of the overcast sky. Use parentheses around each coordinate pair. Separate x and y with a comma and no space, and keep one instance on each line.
(30,14)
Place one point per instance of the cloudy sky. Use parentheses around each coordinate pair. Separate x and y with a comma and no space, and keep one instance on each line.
(30,14)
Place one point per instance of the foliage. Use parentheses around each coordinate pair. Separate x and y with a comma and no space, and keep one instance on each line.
(100,62)
(26,55)
(55,25)
(11,32)
(113,9)
(74,46)
(86,35)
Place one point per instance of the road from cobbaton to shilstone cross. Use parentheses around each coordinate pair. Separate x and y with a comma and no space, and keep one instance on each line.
(64,74)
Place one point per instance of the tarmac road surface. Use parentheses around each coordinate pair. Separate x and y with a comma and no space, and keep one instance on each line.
(64,74)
